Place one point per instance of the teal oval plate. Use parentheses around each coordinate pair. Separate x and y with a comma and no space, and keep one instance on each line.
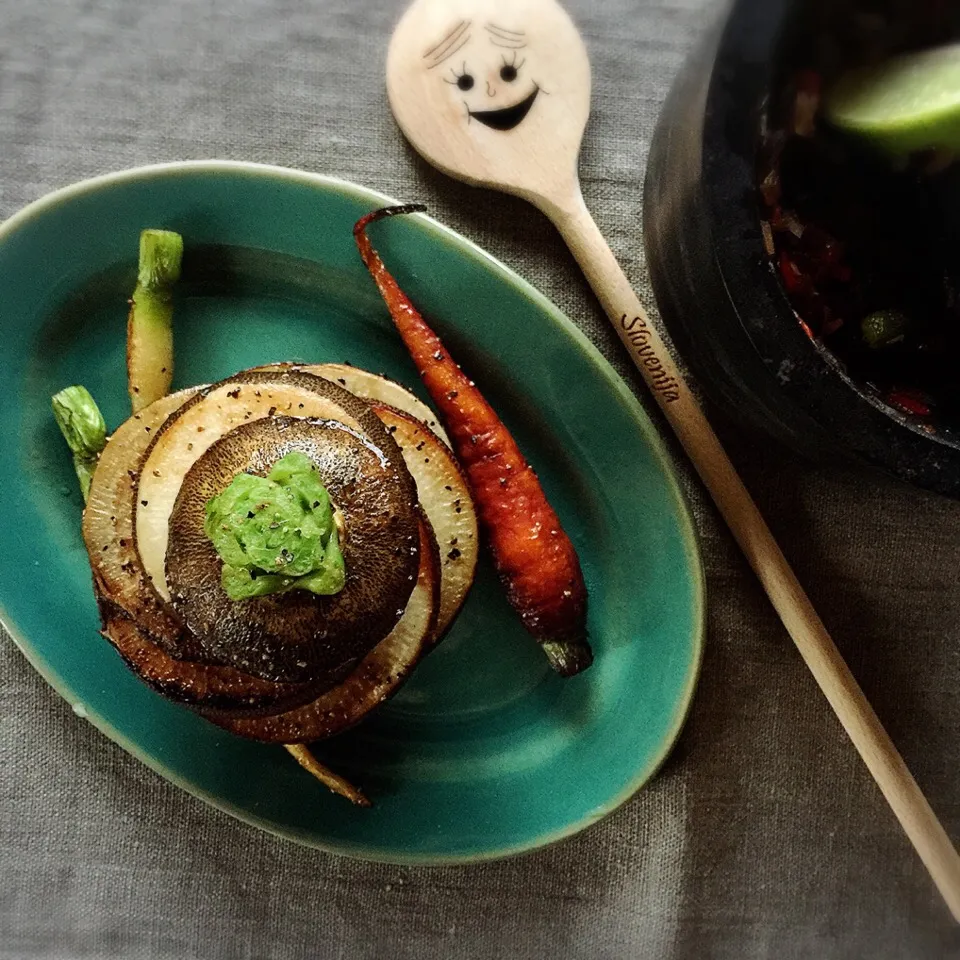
(484,752)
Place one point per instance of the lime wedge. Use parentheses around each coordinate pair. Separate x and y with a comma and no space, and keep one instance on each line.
(907,103)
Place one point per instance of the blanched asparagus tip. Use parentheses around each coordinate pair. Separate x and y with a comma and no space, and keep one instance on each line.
(399,210)
(161,254)
(80,422)
(568,657)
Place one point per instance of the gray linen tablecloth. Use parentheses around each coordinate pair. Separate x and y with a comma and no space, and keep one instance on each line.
(763,837)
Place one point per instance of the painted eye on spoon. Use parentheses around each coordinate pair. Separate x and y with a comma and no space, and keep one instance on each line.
(508,73)
(465,81)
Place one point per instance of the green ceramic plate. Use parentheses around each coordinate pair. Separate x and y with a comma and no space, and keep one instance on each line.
(484,752)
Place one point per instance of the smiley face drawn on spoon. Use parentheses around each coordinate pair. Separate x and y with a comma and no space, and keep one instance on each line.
(492,91)
(486,66)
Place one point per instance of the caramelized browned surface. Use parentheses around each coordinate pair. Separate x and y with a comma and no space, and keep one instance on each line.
(221,689)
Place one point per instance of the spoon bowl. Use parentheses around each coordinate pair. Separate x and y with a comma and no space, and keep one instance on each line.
(493,93)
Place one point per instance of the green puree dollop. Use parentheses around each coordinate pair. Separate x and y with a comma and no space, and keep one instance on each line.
(276,533)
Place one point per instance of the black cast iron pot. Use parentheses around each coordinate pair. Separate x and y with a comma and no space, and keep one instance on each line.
(721,301)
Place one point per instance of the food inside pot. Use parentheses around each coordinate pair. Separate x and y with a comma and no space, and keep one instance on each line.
(864,240)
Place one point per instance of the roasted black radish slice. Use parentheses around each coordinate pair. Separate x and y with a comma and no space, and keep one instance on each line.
(198,424)
(108,525)
(297,636)
(222,690)
(378,676)
(445,499)
(441,485)
(371,386)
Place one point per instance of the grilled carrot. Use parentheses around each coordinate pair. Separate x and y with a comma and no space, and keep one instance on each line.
(533,555)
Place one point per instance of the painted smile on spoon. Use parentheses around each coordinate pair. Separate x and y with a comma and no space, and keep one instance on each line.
(507,117)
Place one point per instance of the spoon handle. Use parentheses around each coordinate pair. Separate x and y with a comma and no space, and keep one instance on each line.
(751,532)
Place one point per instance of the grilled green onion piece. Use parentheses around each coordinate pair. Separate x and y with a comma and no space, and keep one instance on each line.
(150,322)
(82,426)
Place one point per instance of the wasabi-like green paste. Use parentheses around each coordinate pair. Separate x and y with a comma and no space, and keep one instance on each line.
(276,533)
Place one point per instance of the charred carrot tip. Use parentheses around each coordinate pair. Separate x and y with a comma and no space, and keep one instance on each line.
(398,210)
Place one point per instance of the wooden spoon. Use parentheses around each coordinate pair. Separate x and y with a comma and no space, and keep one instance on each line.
(497,93)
